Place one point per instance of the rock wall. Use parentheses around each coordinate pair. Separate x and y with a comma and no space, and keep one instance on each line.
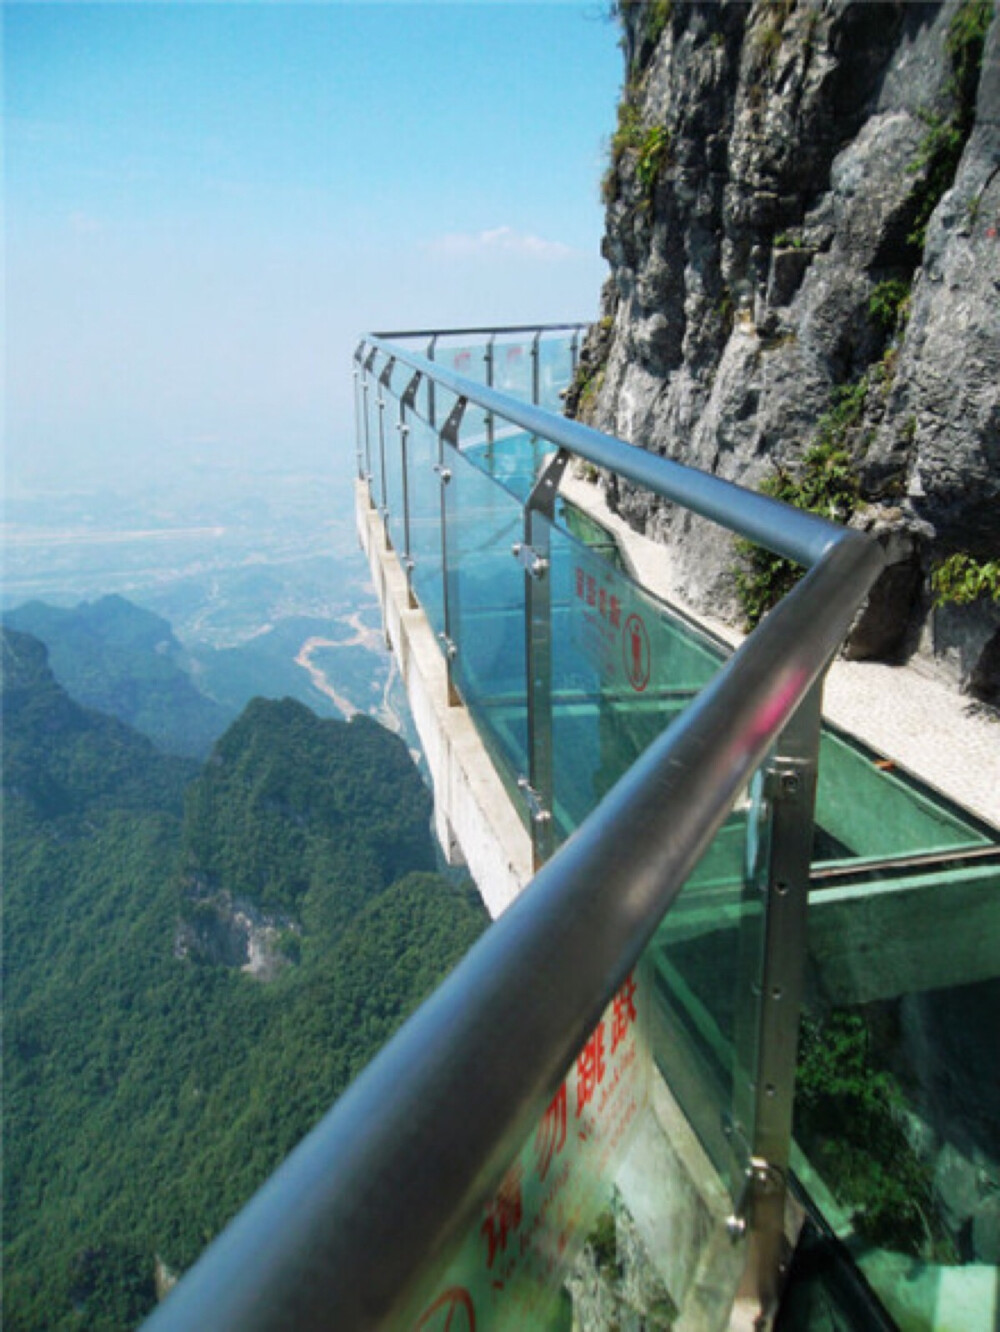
(803,231)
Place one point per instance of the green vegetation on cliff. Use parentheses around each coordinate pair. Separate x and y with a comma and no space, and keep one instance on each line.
(149,1087)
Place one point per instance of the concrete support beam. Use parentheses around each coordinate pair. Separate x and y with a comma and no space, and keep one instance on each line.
(475,819)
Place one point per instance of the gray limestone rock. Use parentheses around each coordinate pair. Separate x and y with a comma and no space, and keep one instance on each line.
(805,183)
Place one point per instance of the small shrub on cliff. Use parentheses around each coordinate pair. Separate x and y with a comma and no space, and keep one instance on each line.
(941,147)
(652,157)
(647,147)
(889,305)
(962,579)
(825,484)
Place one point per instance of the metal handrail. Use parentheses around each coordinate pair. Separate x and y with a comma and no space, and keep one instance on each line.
(795,533)
(360,1219)
(479,332)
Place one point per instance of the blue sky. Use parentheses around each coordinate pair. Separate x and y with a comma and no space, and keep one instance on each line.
(205,204)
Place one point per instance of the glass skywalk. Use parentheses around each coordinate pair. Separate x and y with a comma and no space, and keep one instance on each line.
(711,867)
(617,667)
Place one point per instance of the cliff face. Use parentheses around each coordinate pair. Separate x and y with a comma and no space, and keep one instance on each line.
(803,229)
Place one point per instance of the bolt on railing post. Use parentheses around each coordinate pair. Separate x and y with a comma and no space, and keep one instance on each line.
(406,404)
(790,791)
(385,382)
(449,435)
(535,555)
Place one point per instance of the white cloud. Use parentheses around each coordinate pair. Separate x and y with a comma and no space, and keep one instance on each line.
(499,240)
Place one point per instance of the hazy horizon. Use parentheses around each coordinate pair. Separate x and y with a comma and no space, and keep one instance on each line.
(207,204)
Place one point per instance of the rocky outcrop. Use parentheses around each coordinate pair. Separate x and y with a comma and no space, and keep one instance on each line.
(218,930)
(803,208)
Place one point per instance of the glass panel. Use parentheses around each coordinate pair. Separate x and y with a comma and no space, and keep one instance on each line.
(468,360)
(514,459)
(509,1270)
(897,1112)
(555,371)
(512,368)
(486,607)
(425,521)
(865,809)
(444,403)
(707,958)
(623,667)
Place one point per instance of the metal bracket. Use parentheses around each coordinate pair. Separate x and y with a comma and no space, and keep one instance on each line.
(760,1180)
(534,565)
(544,492)
(539,814)
(410,392)
(444,473)
(450,648)
(451,427)
(385,378)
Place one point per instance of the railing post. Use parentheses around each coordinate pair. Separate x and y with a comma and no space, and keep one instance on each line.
(369,364)
(385,382)
(535,555)
(356,373)
(574,352)
(431,402)
(449,435)
(535,376)
(490,419)
(406,403)
(789,784)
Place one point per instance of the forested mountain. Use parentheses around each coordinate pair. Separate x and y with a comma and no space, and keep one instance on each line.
(190,979)
(113,655)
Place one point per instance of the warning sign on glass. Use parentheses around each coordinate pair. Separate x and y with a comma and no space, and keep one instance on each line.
(511,1266)
(610,625)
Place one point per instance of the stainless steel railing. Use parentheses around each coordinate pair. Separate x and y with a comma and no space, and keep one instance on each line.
(360,1217)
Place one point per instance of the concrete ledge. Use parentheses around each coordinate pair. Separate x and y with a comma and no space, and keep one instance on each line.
(475,821)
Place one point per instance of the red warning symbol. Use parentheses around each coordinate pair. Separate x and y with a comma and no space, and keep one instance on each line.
(450,1312)
(635,652)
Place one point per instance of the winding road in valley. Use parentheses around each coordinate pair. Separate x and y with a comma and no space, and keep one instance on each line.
(365,637)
